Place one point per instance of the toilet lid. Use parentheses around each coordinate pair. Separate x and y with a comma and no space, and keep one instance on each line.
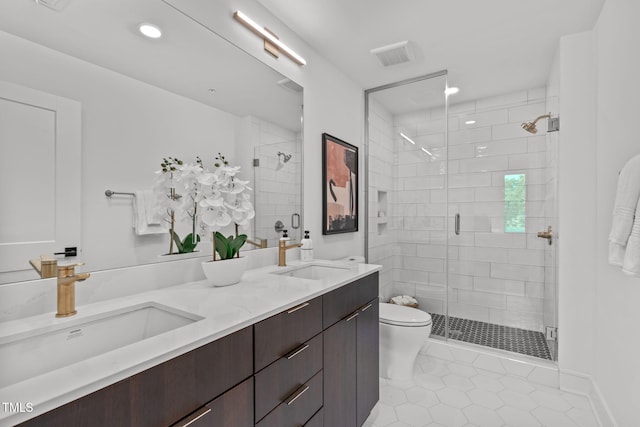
(394,314)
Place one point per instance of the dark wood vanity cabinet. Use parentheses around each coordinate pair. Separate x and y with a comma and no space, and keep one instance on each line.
(351,371)
(170,391)
(313,365)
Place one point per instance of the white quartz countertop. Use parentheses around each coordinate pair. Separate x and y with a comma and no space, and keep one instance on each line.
(224,310)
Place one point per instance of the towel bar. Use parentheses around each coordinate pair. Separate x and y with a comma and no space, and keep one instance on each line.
(110,193)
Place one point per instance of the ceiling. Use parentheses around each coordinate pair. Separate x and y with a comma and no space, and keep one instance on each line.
(188,60)
(489,47)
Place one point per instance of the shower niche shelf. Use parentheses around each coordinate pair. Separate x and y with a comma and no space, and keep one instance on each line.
(382,212)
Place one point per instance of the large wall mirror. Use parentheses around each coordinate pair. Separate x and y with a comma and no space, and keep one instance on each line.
(189,93)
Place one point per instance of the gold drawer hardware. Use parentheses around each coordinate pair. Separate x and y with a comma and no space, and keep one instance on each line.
(297,351)
(297,395)
(294,309)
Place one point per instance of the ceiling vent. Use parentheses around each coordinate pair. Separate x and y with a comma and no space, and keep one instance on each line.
(393,54)
(291,85)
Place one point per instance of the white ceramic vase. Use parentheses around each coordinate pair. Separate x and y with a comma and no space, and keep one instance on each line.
(225,272)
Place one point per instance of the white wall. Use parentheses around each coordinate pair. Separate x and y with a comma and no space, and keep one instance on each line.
(598,304)
(577,203)
(617,367)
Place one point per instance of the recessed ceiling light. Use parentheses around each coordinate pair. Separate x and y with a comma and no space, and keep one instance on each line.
(469,122)
(451,90)
(150,30)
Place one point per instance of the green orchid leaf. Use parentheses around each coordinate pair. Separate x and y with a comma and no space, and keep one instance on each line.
(222,245)
(237,243)
(188,244)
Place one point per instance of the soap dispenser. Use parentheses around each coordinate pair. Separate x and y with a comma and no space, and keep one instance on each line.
(306,250)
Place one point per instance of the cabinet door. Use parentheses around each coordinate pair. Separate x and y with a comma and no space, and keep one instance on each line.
(232,409)
(280,334)
(367,351)
(340,373)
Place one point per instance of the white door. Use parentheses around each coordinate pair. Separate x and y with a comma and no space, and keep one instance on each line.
(40,173)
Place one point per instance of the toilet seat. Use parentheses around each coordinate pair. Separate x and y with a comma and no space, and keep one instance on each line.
(398,315)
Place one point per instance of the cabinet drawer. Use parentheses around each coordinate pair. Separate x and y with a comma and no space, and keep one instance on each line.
(284,376)
(280,334)
(347,299)
(316,421)
(297,408)
(232,409)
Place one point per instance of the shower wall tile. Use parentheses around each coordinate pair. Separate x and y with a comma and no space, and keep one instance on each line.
(528,113)
(496,148)
(500,286)
(461,180)
(485,118)
(466,136)
(536,94)
(484,299)
(507,131)
(501,100)
(527,273)
(485,164)
(479,253)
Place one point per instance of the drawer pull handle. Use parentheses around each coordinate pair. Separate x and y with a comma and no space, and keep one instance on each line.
(297,351)
(367,307)
(353,316)
(297,395)
(197,416)
(294,309)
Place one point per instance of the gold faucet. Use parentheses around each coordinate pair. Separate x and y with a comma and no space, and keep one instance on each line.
(282,252)
(261,245)
(47,267)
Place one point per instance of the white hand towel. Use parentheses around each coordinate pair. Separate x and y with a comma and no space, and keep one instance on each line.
(627,195)
(631,264)
(150,208)
(141,201)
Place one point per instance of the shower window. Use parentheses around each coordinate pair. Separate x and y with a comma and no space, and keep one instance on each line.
(515,196)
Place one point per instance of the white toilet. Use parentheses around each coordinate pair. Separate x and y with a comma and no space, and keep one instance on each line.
(403,331)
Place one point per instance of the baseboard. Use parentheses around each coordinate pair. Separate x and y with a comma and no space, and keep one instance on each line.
(580,383)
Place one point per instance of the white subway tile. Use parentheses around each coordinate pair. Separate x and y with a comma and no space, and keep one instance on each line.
(534,290)
(485,118)
(423,182)
(409,276)
(431,251)
(537,93)
(423,264)
(527,273)
(526,257)
(462,107)
(472,312)
(496,148)
(430,127)
(475,253)
(501,100)
(536,143)
(490,194)
(508,131)
(528,113)
(469,180)
(466,136)
(461,195)
(484,299)
(461,151)
(501,286)
(501,240)
(528,161)
(485,164)
(470,268)
(459,281)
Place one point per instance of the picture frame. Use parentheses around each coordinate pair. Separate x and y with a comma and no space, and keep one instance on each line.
(339,186)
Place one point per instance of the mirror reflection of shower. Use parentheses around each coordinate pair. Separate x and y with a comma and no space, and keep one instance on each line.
(282,159)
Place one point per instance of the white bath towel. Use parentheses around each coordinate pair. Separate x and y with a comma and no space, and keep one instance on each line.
(145,219)
(631,263)
(624,212)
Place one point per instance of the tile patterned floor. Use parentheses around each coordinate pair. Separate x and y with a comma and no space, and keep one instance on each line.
(456,394)
(531,343)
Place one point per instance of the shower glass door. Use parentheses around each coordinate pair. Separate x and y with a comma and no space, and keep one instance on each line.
(407,198)
(501,194)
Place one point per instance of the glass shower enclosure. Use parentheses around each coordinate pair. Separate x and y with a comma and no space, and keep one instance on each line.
(457,193)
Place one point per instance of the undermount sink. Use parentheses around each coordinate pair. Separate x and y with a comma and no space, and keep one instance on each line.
(36,352)
(313,272)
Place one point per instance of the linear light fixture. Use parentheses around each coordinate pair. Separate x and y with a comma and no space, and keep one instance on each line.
(269,38)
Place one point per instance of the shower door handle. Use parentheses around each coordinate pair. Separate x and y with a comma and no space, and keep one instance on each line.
(295,221)
(457,224)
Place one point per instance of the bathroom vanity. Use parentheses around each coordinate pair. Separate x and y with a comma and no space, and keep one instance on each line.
(304,351)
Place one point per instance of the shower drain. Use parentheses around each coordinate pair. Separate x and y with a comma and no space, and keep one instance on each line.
(455,333)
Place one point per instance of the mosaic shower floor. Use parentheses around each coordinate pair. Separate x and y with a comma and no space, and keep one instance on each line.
(531,343)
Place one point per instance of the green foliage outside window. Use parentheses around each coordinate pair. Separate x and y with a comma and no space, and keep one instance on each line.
(515,196)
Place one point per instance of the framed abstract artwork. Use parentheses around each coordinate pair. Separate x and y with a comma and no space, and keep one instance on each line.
(339,186)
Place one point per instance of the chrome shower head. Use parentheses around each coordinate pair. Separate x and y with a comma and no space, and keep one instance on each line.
(531,126)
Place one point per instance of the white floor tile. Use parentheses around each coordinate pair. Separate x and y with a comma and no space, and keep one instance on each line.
(456,393)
